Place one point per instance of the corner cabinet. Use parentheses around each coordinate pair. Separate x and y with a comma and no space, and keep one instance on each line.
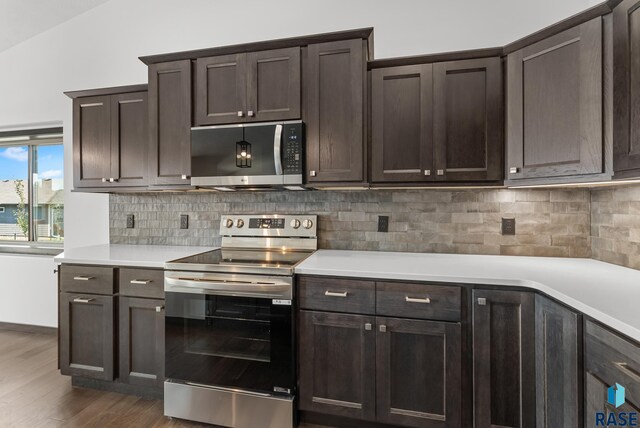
(110,137)
(334,96)
(170,123)
(626,74)
(555,106)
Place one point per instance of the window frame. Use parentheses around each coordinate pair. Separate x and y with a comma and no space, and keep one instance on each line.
(31,245)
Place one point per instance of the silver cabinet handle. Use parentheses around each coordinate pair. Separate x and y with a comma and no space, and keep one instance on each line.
(427,172)
(277,149)
(240,114)
(335,294)
(440,172)
(250,113)
(140,281)
(482,301)
(83,278)
(368,326)
(417,299)
(514,170)
(383,328)
(312,173)
(113,180)
(81,300)
(159,308)
(184,177)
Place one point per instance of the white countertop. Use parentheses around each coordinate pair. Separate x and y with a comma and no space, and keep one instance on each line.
(605,292)
(153,256)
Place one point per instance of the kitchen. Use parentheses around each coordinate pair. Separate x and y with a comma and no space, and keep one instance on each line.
(472,200)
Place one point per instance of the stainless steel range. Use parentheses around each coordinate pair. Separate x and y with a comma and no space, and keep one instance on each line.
(229,324)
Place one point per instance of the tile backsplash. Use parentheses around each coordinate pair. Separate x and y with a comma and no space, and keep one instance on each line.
(615,225)
(548,222)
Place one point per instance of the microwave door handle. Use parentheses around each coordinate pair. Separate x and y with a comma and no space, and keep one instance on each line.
(277,149)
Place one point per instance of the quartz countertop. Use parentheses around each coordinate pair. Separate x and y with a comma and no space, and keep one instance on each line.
(152,256)
(603,291)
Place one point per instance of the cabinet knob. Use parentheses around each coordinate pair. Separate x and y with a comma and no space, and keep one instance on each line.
(383,328)
(240,114)
(440,172)
(184,177)
(250,113)
(368,326)
(159,308)
(514,170)
(427,172)
(312,173)
(104,180)
(482,301)
(113,180)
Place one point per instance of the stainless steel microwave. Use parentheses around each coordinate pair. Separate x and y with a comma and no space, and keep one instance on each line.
(247,155)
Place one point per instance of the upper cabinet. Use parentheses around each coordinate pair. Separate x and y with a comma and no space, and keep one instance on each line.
(246,87)
(437,122)
(170,123)
(555,106)
(626,63)
(335,98)
(110,137)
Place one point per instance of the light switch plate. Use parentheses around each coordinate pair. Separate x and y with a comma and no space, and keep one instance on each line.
(184,221)
(130,221)
(508,226)
(383,223)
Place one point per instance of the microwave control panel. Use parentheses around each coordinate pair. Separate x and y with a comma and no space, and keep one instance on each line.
(292,148)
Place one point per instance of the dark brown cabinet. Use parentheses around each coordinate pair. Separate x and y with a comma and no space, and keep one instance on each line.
(503,359)
(558,357)
(86,335)
(555,105)
(110,139)
(337,364)
(335,92)
(437,122)
(245,87)
(418,373)
(626,104)
(170,123)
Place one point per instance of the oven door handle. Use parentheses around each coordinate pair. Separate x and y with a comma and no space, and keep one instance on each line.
(229,288)
(277,149)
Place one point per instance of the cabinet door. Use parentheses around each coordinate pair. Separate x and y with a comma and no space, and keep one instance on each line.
(170,123)
(337,364)
(418,374)
(334,89)
(141,341)
(554,105)
(402,124)
(91,141)
(221,89)
(86,335)
(503,359)
(467,112)
(626,74)
(273,85)
(558,365)
(597,407)
(129,139)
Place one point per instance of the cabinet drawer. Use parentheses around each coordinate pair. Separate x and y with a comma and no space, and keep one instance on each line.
(142,283)
(613,359)
(86,279)
(418,301)
(337,295)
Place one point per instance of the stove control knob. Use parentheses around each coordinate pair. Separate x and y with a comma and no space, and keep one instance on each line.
(307,223)
(239,222)
(295,223)
(229,222)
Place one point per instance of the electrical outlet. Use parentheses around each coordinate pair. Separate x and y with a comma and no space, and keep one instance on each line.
(130,221)
(508,226)
(383,223)
(184,221)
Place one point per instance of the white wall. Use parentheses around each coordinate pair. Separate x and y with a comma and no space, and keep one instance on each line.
(100,48)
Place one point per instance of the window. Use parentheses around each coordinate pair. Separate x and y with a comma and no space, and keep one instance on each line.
(31,186)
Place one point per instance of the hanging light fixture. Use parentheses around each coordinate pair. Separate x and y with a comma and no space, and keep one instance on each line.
(243,154)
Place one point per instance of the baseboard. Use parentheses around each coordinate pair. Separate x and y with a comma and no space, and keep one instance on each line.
(28,328)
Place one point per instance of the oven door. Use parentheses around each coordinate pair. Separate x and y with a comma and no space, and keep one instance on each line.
(231,331)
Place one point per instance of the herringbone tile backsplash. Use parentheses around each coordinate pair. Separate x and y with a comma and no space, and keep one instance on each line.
(548,222)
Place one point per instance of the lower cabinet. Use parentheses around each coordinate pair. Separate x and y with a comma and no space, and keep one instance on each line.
(87,335)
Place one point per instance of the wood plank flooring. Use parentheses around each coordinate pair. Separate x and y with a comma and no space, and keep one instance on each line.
(34,394)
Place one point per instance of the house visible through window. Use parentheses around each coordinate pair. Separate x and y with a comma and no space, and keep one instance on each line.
(31,186)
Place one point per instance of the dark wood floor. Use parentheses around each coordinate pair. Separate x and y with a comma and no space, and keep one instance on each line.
(33,393)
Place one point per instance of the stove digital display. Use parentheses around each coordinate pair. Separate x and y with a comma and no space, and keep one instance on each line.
(266,223)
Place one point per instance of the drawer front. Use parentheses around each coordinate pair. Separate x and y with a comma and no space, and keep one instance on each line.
(613,359)
(87,279)
(337,295)
(422,301)
(142,283)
